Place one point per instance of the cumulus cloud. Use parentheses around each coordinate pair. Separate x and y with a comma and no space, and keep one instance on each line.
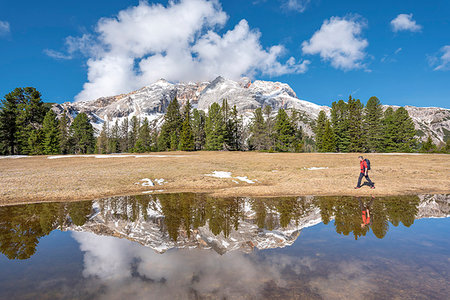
(296,5)
(441,62)
(56,54)
(405,22)
(339,41)
(178,42)
(4,28)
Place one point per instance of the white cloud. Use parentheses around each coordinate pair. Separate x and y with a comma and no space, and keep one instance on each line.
(296,5)
(4,28)
(405,22)
(442,62)
(339,41)
(178,42)
(56,54)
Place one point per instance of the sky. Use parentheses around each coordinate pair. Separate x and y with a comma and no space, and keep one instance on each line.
(326,50)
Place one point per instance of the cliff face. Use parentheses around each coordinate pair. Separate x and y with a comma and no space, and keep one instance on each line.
(152,101)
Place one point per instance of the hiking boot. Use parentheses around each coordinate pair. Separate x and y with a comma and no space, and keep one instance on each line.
(372,187)
(357,187)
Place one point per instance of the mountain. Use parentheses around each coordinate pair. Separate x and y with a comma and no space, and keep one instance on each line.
(151,102)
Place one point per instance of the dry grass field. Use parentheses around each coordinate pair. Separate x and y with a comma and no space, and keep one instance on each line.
(35,179)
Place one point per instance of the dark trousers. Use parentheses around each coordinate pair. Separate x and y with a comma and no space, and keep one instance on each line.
(361,175)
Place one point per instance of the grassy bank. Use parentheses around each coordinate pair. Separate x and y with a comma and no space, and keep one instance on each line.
(35,179)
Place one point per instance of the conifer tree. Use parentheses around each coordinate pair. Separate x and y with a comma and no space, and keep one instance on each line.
(51,134)
(64,136)
(82,134)
(389,131)
(235,128)
(355,125)
(134,125)
(8,128)
(298,144)
(113,138)
(340,125)
(373,125)
(102,140)
(144,142)
(329,141)
(270,124)
(214,126)
(186,135)
(259,139)
(405,137)
(319,130)
(284,132)
(198,129)
(124,136)
(428,146)
(170,131)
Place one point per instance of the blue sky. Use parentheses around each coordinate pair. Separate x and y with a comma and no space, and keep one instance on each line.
(325,50)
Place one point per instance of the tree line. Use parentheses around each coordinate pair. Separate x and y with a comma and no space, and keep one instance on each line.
(29,126)
(355,128)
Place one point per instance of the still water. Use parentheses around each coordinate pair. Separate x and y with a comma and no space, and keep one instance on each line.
(191,246)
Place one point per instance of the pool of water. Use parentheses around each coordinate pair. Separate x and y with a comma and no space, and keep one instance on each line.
(191,246)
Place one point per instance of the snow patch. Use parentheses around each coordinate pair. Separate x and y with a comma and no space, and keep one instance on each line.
(316,168)
(160,181)
(13,156)
(220,174)
(244,178)
(147,182)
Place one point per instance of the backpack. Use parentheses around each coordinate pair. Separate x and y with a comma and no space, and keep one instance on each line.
(368,163)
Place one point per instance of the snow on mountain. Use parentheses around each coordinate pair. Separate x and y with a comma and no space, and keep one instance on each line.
(151,102)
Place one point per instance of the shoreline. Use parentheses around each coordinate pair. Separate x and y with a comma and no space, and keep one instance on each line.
(39,179)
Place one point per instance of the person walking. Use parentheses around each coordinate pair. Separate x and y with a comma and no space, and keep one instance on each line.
(365,167)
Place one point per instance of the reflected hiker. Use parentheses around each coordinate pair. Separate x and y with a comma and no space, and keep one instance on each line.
(365,212)
(365,167)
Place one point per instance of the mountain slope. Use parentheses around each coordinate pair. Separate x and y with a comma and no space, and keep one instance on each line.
(151,102)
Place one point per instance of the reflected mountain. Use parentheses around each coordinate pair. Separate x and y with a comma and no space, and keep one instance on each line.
(166,221)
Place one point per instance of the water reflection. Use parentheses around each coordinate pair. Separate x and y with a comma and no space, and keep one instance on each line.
(162,222)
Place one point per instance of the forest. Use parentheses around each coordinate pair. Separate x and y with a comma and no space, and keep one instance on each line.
(28,126)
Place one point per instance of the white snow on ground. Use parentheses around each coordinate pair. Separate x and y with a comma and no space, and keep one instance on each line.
(224,174)
(244,178)
(220,174)
(147,192)
(13,156)
(110,156)
(147,182)
(160,181)
(316,168)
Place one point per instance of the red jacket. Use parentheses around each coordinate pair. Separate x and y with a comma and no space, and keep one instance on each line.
(363,165)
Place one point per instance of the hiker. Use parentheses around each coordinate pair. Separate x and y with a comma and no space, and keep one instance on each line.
(365,167)
(365,212)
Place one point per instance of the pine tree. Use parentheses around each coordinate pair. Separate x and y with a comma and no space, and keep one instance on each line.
(134,125)
(405,137)
(259,139)
(389,131)
(319,130)
(82,134)
(428,146)
(373,125)
(50,130)
(64,136)
(144,141)
(340,125)
(170,131)
(113,138)
(295,118)
(102,140)
(284,132)
(124,136)
(355,125)
(270,124)
(198,129)
(214,128)
(186,135)
(8,128)
(235,130)
(329,141)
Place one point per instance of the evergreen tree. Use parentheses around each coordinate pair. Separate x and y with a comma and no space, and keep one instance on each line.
(50,130)
(284,132)
(389,131)
(270,124)
(102,140)
(124,136)
(8,128)
(235,131)
(170,131)
(113,138)
(319,130)
(186,135)
(329,141)
(405,137)
(428,146)
(298,144)
(373,125)
(82,134)
(144,141)
(64,136)
(34,144)
(198,129)
(355,125)
(340,125)
(214,126)
(259,138)
(134,125)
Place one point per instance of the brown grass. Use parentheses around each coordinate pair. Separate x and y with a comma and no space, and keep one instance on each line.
(35,179)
